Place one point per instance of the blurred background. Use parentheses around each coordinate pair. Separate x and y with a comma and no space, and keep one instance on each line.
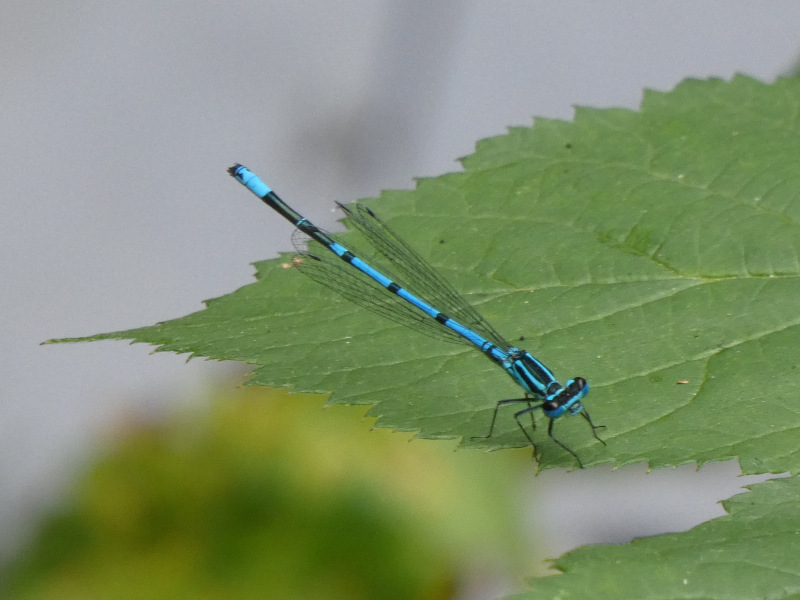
(117,123)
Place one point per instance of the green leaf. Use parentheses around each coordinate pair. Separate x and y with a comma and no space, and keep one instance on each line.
(751,553)
(635,249)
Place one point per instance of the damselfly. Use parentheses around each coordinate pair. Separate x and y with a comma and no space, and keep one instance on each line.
(416,296)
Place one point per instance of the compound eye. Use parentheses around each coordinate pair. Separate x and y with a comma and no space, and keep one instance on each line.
(577,385)
(551,405)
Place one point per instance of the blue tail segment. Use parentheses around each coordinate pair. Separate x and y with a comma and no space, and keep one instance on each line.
(417,296)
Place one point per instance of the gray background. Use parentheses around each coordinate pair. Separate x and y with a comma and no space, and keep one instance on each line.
(117,121)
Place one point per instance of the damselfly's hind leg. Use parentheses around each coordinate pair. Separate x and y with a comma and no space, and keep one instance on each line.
(593,426)
(494,417)
(528,409)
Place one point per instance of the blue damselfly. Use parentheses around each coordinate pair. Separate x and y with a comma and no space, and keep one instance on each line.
(416,295)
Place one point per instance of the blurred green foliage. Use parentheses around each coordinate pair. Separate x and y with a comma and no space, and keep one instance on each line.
(266,495)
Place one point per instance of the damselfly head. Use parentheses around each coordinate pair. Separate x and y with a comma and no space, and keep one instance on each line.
(566,399)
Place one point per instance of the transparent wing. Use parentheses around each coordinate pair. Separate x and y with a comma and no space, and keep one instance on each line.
(415,274)
(324,267)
